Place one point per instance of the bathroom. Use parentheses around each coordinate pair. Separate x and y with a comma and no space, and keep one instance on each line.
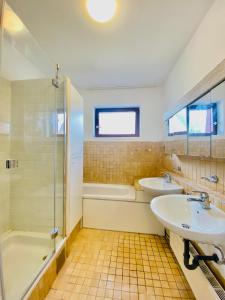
(112,149)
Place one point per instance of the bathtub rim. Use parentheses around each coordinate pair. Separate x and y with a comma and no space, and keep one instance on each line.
(130,196)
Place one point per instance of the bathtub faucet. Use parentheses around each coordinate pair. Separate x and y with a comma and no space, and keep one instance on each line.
(167,177)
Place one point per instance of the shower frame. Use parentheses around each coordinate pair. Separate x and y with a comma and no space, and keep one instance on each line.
(2,291)
(63,233)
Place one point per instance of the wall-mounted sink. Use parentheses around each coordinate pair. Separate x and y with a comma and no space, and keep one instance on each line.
(189,219)
(157,186)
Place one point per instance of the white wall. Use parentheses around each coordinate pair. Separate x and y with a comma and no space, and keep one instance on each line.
(148,99)
(203,53)
(74,157)
(16,66)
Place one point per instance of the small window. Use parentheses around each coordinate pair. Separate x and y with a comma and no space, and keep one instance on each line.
(60,122)
(177,124)
(117,122)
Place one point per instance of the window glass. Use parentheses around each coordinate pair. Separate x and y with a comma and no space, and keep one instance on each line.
(202,119)
(117,122)
(60,123)
(178,123)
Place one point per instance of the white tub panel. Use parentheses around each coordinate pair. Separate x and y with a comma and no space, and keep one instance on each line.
(121,216)
(142,196)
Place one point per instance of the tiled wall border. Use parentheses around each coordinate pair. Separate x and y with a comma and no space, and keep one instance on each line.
(216,198)
(193,170)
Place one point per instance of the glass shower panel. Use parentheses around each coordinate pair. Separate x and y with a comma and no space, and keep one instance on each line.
(31,186)
(31,158)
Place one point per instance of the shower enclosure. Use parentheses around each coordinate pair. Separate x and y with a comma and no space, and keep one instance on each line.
(31,158)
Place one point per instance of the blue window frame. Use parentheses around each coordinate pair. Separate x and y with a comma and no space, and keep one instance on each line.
(117,122)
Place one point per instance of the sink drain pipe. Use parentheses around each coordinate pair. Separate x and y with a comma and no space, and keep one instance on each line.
(197,258)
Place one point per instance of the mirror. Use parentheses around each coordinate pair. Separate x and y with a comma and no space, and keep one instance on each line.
(176,133)
(200,116)
(199,129)
(218,139)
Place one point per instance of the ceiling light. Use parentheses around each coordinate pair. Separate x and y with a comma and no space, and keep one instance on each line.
(11,22)
(101,10)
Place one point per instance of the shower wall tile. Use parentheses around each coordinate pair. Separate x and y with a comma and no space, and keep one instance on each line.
(121,162)
(5,117)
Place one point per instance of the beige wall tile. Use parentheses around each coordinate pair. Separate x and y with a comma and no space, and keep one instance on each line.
(121,162)
(194,168)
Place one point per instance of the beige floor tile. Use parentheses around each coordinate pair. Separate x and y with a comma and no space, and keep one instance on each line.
(118,265)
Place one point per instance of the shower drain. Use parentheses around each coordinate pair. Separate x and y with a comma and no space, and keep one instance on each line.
(185,226)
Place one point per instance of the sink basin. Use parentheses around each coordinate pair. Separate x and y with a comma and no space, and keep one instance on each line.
(158,186)
(189,219)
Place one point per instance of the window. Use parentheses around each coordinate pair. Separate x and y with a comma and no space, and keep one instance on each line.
(177,124)
(202,119)
(60,122)
(117,122)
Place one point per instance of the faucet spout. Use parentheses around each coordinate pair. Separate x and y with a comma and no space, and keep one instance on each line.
(167,177)
(203,199)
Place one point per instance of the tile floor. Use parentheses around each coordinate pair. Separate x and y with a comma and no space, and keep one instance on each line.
(117,265)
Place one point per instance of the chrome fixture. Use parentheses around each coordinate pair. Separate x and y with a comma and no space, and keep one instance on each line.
(222,260)
(203,199)
(11,163)
(55,81)
(54,233)
(167,177)
(213,178)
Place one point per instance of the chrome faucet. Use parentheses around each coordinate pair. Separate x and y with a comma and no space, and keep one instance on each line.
(167,177)
(203,199)
(213,178)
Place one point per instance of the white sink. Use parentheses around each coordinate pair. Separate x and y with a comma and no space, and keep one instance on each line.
(189,219)
(157,186)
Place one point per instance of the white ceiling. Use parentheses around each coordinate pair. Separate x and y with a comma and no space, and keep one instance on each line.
(138,48)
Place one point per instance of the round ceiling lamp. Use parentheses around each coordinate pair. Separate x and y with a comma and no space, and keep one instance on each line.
(101,10)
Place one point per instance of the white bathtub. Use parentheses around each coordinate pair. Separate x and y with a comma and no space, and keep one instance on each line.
(108,192)
(115,207)
(23,256)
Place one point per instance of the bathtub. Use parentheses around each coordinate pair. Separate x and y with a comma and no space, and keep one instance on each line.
(115,207)
(23,256)
(108,192)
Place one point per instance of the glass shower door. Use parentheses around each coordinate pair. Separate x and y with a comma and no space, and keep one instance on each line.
(28,241)
(30,149)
